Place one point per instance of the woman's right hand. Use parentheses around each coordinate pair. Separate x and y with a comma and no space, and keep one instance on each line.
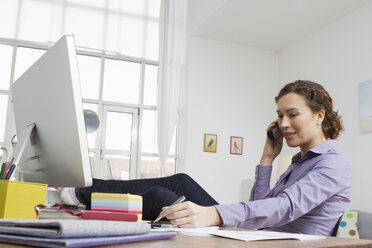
(271,149)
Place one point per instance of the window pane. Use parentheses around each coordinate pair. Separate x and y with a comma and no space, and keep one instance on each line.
(151,85)
(149,132)
(133,29)
(152,40)
(121,81)
(5,65)
(8,18)
(95,3)
(35,20)
(113,37)
(91,136)
(89,73)
(153,8)
(150,167)
(86,25)
(3,110)
(135,7)
(118,131)
(92,161)
(25,58)
(133,36)
(57,21)
(149,8)
(117,166)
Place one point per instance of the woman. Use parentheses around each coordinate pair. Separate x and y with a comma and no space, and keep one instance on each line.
(309,197)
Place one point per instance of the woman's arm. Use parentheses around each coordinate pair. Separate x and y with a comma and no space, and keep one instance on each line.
(261,188)
(272,148)
(325,180)
(189,214)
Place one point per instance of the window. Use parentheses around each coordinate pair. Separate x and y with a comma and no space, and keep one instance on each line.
(121,81)
(128,27)
(92,136)
(89,74)
(3,112)
(25,58)
(5,65)
(117,47)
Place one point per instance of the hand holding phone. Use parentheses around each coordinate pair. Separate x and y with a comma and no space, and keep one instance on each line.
(274,132)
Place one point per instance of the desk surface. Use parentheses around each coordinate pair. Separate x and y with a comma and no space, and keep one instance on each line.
(210,242)
(182,241)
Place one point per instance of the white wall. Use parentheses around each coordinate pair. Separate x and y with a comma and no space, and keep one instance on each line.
(230,92)
(339,56)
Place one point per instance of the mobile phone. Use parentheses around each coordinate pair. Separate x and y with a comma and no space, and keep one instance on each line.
(274,132)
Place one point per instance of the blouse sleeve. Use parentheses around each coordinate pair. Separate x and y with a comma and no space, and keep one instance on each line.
(261,187)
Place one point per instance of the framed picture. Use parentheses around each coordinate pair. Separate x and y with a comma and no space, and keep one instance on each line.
(210,142)
(236,145)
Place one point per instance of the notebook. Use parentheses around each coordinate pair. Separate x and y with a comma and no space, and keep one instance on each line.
(85,214)
(82,242)
(66,228)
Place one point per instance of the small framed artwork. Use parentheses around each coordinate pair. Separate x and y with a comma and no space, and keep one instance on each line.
(210,142)
(236,145)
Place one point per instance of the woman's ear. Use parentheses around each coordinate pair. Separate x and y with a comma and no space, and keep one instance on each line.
(320,116)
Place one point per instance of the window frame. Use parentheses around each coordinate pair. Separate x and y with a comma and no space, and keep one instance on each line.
(103,55)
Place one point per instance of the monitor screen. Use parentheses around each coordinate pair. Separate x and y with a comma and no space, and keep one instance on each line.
(52,144)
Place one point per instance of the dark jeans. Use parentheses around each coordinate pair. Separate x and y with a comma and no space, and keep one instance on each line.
(156,192)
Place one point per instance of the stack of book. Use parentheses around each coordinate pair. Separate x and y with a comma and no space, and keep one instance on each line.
(75,232)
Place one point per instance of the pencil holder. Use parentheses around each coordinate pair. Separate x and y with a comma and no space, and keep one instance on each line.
(18,199)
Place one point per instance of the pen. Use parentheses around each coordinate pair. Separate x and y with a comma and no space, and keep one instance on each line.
(181,199)
(10,172)
(6,169)
(2,172)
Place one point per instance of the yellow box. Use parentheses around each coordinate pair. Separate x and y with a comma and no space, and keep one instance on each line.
(18,199)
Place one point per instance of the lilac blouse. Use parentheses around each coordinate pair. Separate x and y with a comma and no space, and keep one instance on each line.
(309,197)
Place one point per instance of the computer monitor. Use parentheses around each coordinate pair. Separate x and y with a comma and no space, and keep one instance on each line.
(52,144)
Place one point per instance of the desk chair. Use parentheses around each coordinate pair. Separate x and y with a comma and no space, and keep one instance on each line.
(245,189)
(365,225)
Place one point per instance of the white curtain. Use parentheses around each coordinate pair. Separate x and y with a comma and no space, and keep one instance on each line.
(172,62)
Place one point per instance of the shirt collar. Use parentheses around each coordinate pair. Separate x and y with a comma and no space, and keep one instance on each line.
(322,148)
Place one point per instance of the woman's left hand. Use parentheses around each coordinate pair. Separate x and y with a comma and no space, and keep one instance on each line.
(189,214)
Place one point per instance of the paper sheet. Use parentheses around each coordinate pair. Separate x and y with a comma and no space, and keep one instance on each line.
(201,231)
(263,235)
(239,235)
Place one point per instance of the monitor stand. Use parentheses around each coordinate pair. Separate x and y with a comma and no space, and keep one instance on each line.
(28,136)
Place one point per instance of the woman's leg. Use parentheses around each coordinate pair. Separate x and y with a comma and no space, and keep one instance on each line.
(153,198)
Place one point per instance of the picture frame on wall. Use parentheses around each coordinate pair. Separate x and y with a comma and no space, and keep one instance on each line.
(236,145)
(210,142)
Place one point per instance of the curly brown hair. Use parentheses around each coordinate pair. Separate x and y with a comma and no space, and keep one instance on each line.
(317,98)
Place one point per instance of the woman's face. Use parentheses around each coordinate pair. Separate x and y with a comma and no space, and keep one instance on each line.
(299,125)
